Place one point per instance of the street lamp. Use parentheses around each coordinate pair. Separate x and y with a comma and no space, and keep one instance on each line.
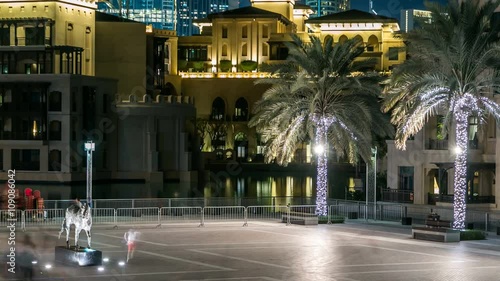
(89,147)
(371,181)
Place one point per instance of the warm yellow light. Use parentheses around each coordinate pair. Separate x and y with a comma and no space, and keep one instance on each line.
(35,131)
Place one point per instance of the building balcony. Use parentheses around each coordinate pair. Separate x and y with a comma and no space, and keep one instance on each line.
(471,199)
(435,144)
(224,74)
(397,195)
(6,135)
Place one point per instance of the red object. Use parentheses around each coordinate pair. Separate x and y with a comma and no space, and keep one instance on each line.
(28,192)
(36,193)
(29,202)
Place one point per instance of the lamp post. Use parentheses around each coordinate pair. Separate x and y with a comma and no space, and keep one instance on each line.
(89,147)
(371,183)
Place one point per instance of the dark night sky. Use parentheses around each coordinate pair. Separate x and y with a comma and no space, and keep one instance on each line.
(390,8)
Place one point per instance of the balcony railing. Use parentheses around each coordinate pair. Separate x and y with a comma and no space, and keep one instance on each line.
(448,198)
(22,136)
(397,195)
(435,144)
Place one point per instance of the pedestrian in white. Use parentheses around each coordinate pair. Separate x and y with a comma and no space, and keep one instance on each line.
(130,238)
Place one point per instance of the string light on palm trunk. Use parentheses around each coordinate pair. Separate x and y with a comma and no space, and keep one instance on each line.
(322,165)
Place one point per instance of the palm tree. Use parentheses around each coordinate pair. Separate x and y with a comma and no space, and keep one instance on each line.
(314,96)
(452,70)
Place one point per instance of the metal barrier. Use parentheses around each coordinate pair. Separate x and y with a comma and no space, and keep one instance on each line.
(488,221)
(104,216)
(138,216)
(181,215)
(224,214)
(267,213)
(6,219)
(43,217)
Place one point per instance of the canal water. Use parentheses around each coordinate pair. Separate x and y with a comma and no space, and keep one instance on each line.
(247,185)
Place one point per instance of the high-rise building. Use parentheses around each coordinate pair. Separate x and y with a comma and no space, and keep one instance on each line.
(412,18)
(161,14)
(189,10)
(327,7)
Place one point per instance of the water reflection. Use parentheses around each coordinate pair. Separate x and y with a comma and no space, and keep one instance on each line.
(249,186)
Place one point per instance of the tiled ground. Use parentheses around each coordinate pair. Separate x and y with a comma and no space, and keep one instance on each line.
(273,251)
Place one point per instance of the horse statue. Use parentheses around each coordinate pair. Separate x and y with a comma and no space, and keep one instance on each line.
(81,217)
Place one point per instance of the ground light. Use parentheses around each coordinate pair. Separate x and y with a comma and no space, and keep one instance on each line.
(100,268)
(121,263)
(48,266)
(105,259)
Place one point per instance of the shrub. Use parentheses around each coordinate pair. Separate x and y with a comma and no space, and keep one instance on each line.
(335,219)
(225,65)
(470,234)
(198,65)
(182,65)
(248,65)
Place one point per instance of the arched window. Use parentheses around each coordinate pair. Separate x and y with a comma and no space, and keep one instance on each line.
(224,50)
(372,45)
(244,50)
(55,130)
(342,39)
(358,38)
(218,109)
(241,110)
(55,160)
(328,40)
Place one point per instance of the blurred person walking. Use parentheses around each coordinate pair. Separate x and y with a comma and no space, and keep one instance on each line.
(130,238)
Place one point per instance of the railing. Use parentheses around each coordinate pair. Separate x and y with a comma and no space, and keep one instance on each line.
(397,195)
(240,215)
(448,198)
(435,144)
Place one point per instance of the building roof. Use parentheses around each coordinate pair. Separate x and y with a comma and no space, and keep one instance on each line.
(103,17)
(247,12)
(351,16)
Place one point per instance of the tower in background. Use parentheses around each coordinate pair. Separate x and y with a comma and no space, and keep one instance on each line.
(158,13)
(411,19)
(327,7)
(189,10)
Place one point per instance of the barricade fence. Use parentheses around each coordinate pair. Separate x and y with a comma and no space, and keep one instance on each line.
(196,215)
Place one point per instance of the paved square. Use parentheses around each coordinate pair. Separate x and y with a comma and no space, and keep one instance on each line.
(272,251)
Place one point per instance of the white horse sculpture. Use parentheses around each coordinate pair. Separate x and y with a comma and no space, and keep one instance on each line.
(82,219)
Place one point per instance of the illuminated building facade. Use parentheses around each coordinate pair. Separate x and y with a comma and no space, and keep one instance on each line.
(212,71)
(62,65)
(159,14)
(411,19)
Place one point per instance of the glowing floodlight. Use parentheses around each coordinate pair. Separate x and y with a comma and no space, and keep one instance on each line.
(318,149)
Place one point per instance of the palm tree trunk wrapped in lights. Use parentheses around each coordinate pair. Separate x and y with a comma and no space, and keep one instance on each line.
(318,96)
(453,70)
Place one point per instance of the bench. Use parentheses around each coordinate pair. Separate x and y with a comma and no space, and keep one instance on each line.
(437,223)
(300,218)
(438,234)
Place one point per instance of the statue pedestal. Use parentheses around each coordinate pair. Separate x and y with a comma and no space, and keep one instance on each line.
(80,256)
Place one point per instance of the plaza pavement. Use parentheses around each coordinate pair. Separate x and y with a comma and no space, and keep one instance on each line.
(273,251)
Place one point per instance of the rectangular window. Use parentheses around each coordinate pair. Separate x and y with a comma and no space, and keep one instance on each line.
(265,50)
(25,159)
(406,175)
(1,159)
(265,31)
(224,32)
(393,53)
